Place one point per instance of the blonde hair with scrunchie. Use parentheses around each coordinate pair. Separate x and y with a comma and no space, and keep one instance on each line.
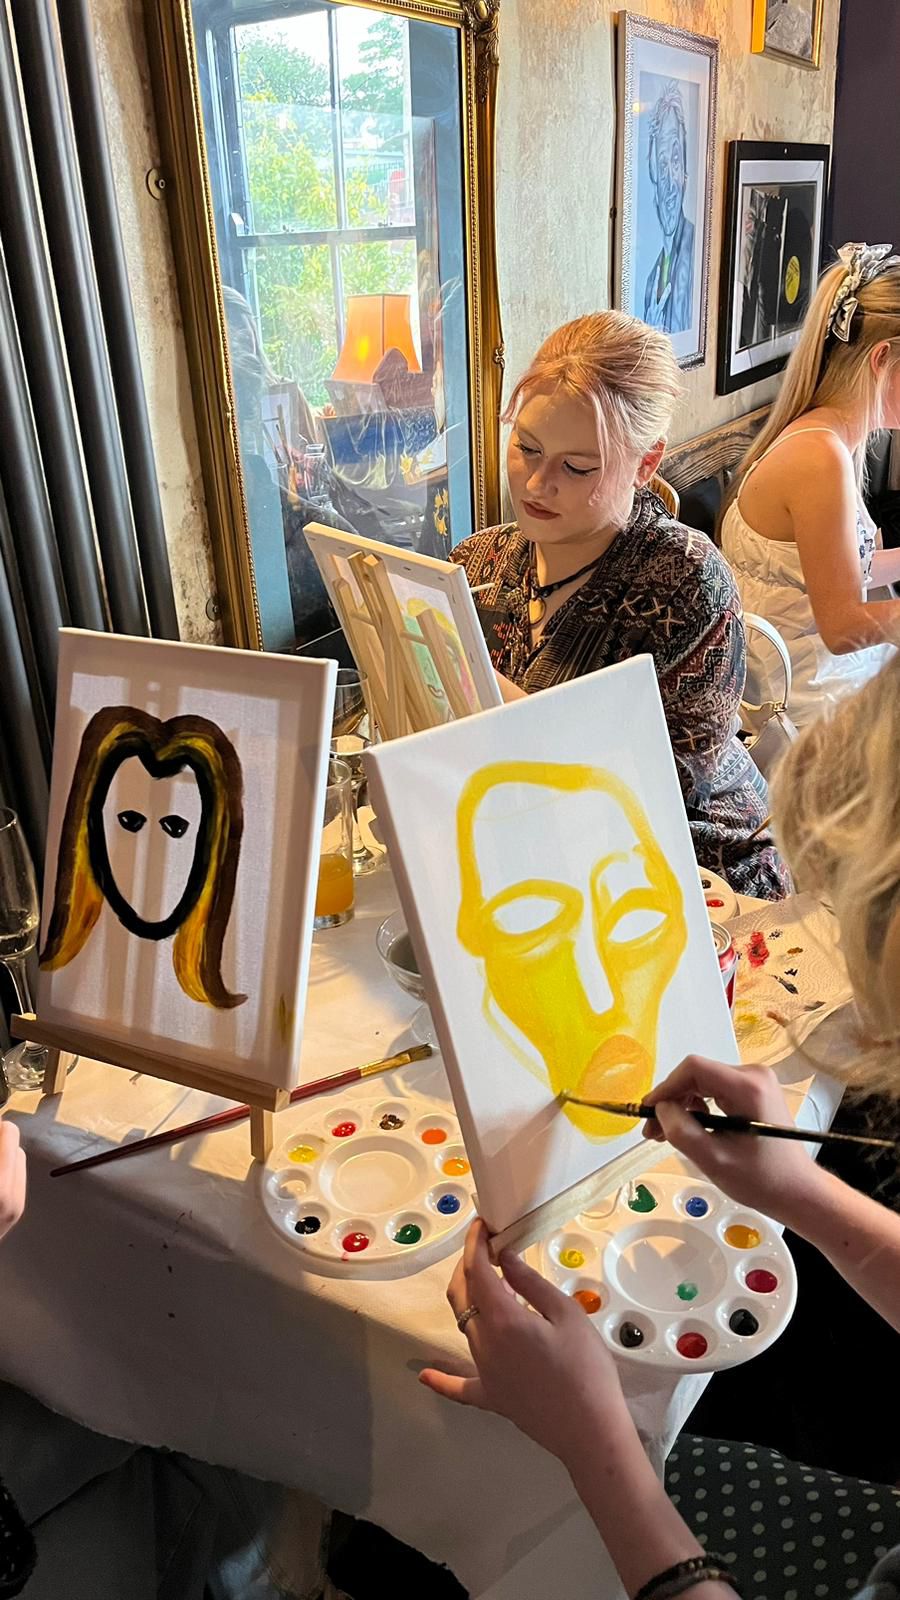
(826,371)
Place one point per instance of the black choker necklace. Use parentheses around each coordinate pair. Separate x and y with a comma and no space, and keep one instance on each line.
(539,593)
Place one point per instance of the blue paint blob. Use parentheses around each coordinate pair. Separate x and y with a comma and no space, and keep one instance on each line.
(697,1206)
(448,1205)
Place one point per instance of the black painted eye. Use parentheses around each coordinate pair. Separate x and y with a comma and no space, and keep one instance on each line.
(176,827)
(132,821)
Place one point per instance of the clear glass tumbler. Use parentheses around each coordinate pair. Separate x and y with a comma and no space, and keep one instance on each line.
(334,893)
(24,1065)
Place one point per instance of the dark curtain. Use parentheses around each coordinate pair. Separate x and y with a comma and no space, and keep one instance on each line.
(82,542)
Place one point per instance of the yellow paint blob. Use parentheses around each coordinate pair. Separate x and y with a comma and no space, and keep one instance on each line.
(455,1167)
(571,1258)
(741,1238)
(304,1155)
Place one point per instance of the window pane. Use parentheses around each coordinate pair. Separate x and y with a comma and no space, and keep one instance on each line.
(298,328)
(376,118)
(284,107)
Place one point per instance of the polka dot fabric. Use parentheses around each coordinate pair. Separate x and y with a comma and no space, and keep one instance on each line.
(789,1532)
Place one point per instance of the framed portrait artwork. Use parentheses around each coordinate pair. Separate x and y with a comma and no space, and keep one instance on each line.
(789,29)
(774,209)
(666,151)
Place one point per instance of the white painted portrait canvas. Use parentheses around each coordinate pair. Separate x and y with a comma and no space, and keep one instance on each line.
(545,867)
(667,119)
(186,809)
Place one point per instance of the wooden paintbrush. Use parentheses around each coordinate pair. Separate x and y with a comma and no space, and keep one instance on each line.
(718,1123)
(224,1119)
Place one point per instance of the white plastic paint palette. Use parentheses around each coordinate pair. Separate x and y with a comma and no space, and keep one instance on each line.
(371,1188)
(675,1275)
(721,900)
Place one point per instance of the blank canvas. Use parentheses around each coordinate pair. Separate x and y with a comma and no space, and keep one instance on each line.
(545,867)
(186,810)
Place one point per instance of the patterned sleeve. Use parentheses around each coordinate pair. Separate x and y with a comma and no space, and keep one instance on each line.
(701,666)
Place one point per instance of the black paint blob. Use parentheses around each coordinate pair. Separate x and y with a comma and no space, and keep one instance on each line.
(743,1323)
(631,1336)
(131,821)
(307,1225)
(389,1122)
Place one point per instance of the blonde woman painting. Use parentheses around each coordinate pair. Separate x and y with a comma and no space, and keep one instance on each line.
(795,530)
(594,570)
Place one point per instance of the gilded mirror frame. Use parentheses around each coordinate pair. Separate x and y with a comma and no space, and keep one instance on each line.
(186,187)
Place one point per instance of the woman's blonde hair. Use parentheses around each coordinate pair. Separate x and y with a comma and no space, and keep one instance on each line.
(624,369)
(836,802)
(84,874)
(823,371)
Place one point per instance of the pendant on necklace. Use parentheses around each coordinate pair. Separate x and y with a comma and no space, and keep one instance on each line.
(537,610)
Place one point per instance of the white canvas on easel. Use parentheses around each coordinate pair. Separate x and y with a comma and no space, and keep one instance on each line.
(182,768)
(545,867)
(411,623)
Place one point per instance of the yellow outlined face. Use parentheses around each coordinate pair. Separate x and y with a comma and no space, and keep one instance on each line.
(551,941)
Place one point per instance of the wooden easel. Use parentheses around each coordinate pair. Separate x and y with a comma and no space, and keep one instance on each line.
(579,1197)
(386,650)
(264,1099)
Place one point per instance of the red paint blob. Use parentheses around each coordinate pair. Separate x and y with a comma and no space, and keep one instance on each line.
(343,1130)
(715,905)
(353,1243)
(757,950)
(761,1281)
(692,1346)
(434,1136)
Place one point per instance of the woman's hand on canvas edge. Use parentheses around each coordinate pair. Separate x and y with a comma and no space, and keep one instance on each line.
(541,1364)
(772,1175)
(12,1177)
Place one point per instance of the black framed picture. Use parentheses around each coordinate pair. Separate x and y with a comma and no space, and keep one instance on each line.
(774,214)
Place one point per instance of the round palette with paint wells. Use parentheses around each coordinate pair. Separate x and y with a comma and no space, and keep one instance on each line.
(371,1188)
(673,1274)
(721,900)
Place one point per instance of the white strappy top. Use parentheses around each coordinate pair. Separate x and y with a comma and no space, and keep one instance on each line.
(771,583)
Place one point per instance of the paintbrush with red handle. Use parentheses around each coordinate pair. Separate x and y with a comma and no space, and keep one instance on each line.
(224,1119)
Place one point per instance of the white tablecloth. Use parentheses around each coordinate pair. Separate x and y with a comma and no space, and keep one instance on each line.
(153,1301)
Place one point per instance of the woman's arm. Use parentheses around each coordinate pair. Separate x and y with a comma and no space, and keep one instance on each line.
(509,690)
(542,1366)
(821,498)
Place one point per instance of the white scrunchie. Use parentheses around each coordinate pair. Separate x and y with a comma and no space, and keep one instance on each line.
(864,263)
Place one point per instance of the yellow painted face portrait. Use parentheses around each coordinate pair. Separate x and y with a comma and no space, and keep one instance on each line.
(578,921)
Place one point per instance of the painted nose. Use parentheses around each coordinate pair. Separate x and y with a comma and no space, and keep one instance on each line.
(591,970)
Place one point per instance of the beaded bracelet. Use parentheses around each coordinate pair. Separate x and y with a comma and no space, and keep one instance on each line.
(676,1580)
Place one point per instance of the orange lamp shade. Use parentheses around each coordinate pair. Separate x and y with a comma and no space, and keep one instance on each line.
(376,323)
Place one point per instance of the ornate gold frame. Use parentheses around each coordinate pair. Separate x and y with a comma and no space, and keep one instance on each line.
(177,96)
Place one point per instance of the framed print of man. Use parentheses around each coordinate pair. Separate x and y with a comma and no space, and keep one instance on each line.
(669,291)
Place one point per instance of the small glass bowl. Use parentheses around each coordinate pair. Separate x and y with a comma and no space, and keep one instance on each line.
(409,980)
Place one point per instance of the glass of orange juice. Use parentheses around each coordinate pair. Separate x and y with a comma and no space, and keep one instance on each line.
(334,891)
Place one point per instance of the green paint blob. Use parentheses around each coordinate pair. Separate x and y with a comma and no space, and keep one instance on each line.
(687,1291)
(410,1233)
(642,1200)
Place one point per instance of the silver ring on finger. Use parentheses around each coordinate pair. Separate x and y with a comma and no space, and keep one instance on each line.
(465,1317)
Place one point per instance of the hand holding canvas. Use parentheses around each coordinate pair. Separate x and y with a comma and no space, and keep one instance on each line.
(12,1177)
(541,1365)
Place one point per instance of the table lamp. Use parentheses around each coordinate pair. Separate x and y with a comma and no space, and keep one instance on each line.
(376,323)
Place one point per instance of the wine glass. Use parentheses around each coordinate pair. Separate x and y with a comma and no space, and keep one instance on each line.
(23,1066)
(350,731)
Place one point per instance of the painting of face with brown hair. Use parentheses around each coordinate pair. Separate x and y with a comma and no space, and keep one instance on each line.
(166,867)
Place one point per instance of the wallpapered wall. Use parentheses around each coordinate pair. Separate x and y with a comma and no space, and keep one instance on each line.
(556,142)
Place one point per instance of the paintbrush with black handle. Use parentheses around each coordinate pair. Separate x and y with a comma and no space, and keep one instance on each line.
(717,1122)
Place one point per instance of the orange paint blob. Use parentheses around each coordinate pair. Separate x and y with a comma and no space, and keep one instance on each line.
(741,1238)
(434,1136)
(455,1167)
(588,1300)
